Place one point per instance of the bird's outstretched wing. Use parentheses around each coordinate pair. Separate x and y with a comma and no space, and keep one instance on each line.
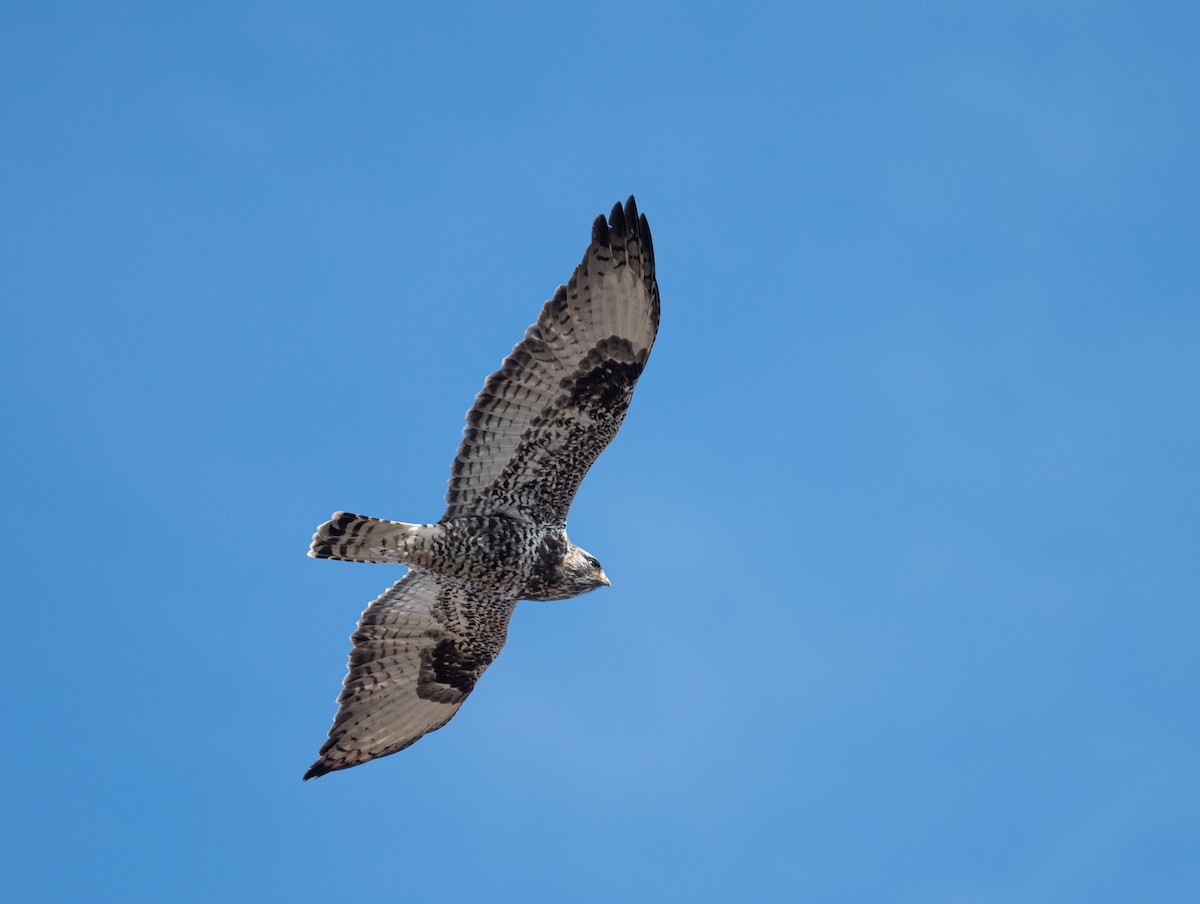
(418,651)
(560,397)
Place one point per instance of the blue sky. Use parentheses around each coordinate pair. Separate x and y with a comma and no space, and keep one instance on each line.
(903,525)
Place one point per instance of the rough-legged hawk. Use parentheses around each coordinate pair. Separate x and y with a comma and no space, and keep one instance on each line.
(535,429)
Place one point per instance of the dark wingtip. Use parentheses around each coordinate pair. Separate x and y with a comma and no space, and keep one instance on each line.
(616,219)
(631,212)
(600,231)
(647,242)
(316,770)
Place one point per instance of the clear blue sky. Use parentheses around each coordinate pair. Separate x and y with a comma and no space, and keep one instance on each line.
(903,528)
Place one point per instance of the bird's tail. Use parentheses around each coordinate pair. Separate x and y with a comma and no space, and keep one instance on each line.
(357,538)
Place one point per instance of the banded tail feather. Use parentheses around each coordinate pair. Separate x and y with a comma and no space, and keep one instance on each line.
(357,538)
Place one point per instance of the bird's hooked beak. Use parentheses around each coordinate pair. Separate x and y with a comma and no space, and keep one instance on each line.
(603,578)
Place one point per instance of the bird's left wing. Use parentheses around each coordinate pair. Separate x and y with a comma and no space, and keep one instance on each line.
(418,651)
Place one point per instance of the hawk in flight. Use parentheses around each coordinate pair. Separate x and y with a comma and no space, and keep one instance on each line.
(534,430)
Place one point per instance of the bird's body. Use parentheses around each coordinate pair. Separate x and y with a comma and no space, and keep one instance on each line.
(536,427)
(500,553)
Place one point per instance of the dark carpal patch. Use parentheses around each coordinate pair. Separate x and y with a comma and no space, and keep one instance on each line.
(448,672)
(606,377)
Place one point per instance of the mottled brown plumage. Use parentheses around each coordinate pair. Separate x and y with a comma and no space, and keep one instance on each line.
(535,429)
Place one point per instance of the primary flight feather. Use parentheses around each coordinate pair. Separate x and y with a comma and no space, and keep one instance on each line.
(534,430)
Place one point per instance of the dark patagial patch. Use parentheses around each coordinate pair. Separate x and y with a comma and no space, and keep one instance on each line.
(448,672)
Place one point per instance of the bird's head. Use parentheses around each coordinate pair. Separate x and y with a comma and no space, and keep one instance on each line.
(581,572)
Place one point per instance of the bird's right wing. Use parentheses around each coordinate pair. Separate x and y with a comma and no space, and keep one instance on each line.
(418,651)
(559,398)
